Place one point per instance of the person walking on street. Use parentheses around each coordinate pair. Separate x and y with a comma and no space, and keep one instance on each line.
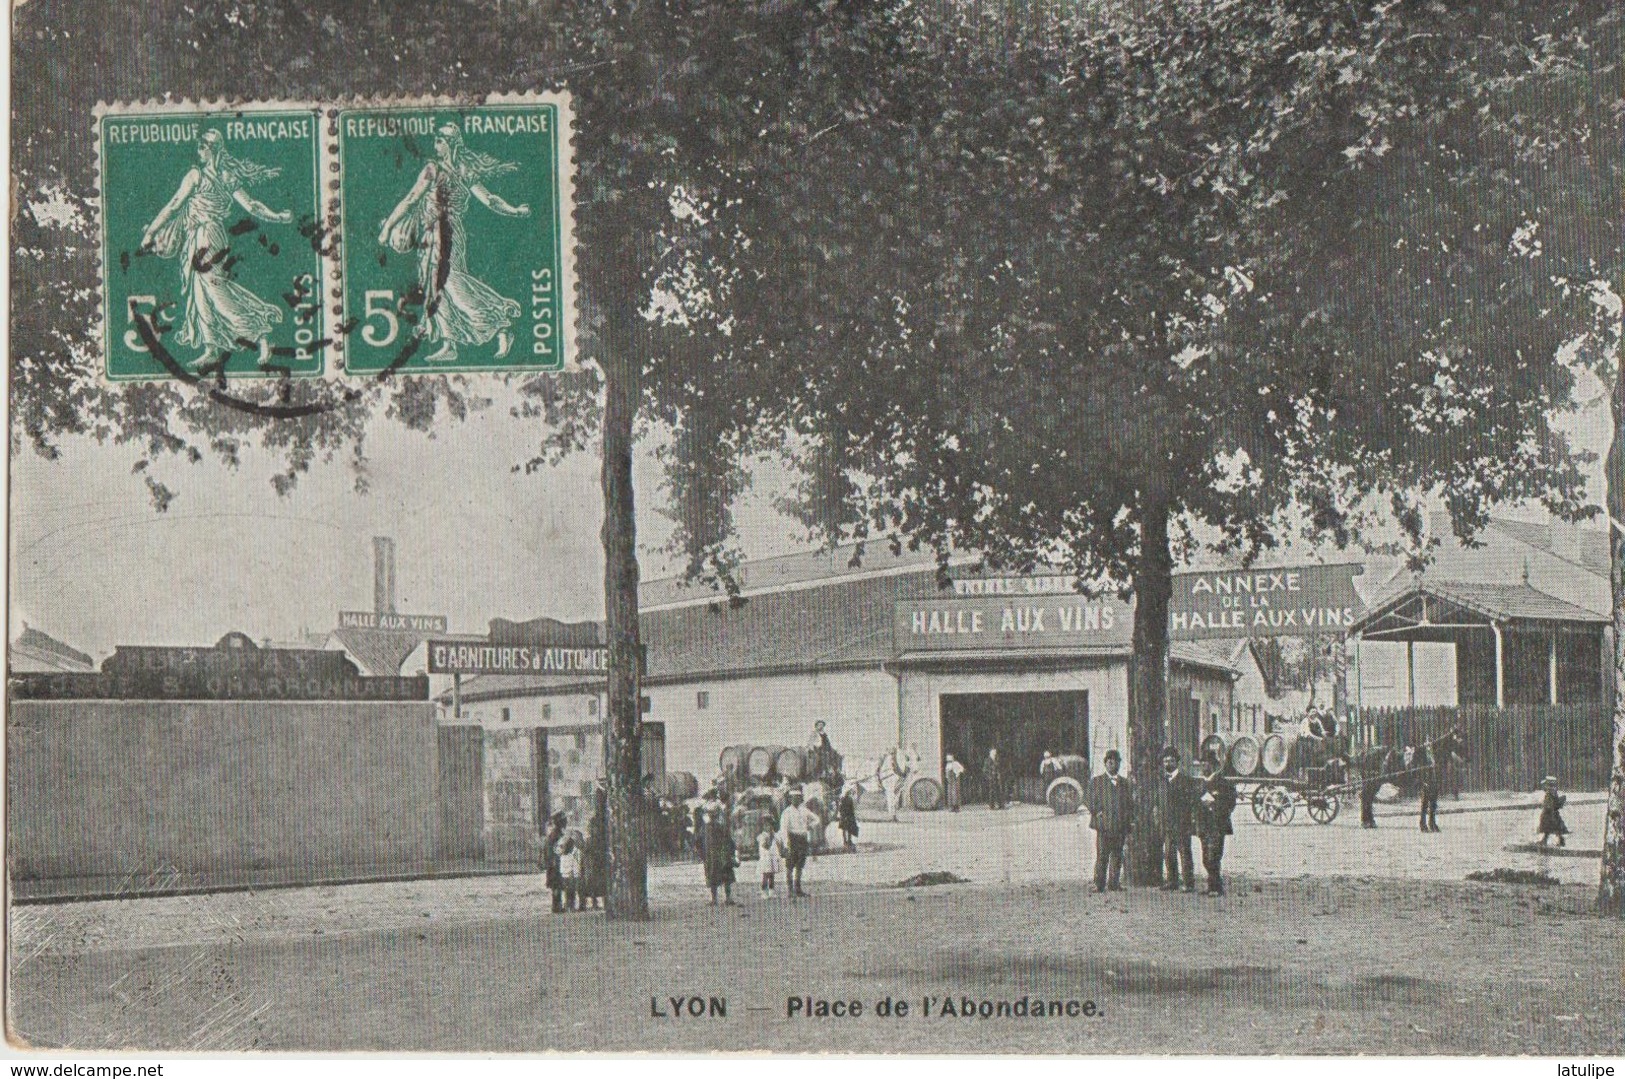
(1213,808)
(795,829)
(1551,816)
(1172,802)
(1110,798)
(993,773)
(953,774)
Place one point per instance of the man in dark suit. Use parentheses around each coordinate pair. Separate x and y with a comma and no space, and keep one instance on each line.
(1110,799)
(1213,808)
(1173,800)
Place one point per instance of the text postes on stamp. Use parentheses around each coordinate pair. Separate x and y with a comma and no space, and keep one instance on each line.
(455,237)
(211,242)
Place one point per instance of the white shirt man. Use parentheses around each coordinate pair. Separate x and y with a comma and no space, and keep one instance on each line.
(795,827)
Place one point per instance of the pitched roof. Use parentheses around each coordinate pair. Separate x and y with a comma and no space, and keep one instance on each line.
(46,647)
(1585,547)
(376,651)
(1215,655)
(809,568)
(1501,602)
(844,623)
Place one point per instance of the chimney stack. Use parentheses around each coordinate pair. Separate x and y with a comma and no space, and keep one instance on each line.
(383,574)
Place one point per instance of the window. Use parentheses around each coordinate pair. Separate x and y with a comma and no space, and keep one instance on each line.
(592,706)
(702,699)
(547,711)
(506,715)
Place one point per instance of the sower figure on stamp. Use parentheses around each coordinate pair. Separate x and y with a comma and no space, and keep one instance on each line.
(1111,814)
(218,315)
(458,308)
(1213,809)
(1172,802)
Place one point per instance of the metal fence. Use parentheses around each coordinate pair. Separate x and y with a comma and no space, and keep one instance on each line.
(1507,748)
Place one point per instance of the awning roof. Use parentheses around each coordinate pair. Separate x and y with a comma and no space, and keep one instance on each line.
(1432,609)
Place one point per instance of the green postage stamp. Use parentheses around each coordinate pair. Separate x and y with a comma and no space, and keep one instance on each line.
(278,239)
(455,236)
(211,241)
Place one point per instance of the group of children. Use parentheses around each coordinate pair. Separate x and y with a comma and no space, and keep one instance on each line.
(574,864)
(779,850)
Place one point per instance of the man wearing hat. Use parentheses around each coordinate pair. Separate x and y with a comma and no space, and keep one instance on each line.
(953,774)
(1110,799)
(1173,799)
(795,829)
(1213,808)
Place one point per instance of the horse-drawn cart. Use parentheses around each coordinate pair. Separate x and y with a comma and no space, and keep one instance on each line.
(1276,773)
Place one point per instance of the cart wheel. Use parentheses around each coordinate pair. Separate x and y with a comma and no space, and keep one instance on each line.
(1258,804)
(1277,808)
(1323,806)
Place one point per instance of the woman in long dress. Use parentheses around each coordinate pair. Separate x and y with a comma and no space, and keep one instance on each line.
(218,316)
(459,308)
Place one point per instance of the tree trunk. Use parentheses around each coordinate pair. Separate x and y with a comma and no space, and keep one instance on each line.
(1148,683)
(1611,892)
(623,722)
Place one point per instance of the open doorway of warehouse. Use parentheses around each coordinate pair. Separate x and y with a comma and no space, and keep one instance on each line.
(1022,726)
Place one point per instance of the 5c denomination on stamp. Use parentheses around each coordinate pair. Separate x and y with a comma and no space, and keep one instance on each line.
(455,236)
(211,237)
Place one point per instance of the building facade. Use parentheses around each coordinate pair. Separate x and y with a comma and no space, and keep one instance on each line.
(886,654)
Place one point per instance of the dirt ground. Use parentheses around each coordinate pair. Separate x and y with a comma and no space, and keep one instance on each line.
(1332,940)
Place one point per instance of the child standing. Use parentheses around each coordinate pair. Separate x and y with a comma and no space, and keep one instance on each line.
(1551,819)
(570,870)
(767,851)
(550,860)
(847,815)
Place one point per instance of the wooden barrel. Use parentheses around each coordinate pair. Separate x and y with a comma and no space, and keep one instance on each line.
(680,786)
(732,760)
(1276,753)
(791,763)
(1218,744)
(925,794)
(759,762)
(1065,796)
(1244,754)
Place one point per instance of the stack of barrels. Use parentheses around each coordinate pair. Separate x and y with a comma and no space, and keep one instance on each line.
(1245,754)
(1238,752)
(764,764)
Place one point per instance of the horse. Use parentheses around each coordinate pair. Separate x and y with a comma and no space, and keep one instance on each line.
(887,773)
